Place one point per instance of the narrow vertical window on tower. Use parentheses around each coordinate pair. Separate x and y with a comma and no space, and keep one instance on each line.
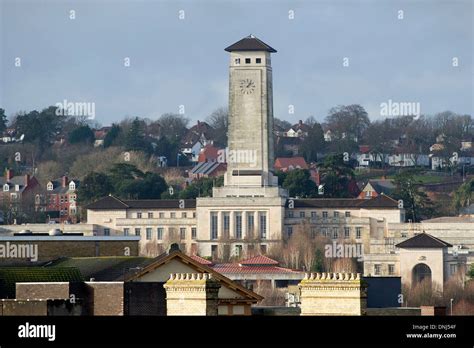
(237,61)
(263,225)
(250,224)
(226,218)
(247,60)
(258,60)
(214,225)
(238,225)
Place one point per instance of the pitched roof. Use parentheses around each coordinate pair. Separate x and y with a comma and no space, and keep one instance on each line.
(194,134)
(209,153)
(383,185)
(113,203)
(259,260)
(290,163)
(381,201)
(235,268)
(9,276)
(423,240)
(250,43)
(201,260)
(165,258)
(109,268)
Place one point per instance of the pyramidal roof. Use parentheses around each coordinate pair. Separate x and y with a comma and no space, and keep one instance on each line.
(423,240)
(250,43)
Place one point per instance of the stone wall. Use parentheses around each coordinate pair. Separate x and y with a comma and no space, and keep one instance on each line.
(192,294)
(23,308)
(333,294)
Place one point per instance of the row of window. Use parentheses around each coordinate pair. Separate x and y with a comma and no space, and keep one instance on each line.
(161,215)
(250,225)
(160,231)
(333,233)
(248,61)
(314,214)
(378,269)
(237,250)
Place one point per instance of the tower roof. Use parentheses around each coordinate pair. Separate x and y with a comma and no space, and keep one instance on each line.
(423,240)
(250,43)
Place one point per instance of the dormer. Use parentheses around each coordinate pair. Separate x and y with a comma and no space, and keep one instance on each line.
(50,186)
(6,187)
(72,186)
(17,187)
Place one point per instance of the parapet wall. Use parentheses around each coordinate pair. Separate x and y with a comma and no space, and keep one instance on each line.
(333,294)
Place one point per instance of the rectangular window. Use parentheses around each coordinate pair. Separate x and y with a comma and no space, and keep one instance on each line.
(182,233)
(148,233)
(335,233)
(184,215)
(290,214)
(302,214)
(193,233)
(138,232)
(313,214)
(324,232)
(161,215)
(368,193)
(263,225)
(358,232)
(214,252)
(258,60)
(238,225)
(247,60)
(453,269)
(126,231)
(238,250)
(150,215)
(336,214)
(391,269)
(250,224)
(173,215)
(347,232)
(348,214)
(214,225)
(106,231)
(325,214)
(226,224)
(313,232)
(139,215)
(159,233)
(289,231)
(263,249)
(237,61)
(377,269)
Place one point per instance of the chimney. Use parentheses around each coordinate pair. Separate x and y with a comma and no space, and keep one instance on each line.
(64,181)
(9,174)
(27,180)
(300,122)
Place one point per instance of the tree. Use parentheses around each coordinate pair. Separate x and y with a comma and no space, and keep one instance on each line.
(112,135)
(93,187)
(336,176)
(173,126)
(135,139)
(348,121)
(82,134)
(415,202)
(298,183)
(313,143)
(3,121)
(218,120)
(201,187)
(285,125)
(464,195)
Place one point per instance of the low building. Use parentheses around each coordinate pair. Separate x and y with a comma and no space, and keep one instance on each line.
(285,164)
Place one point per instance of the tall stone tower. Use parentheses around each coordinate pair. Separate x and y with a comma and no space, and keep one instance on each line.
(250,153)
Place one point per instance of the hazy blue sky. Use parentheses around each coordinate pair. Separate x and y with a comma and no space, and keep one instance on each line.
(182,61)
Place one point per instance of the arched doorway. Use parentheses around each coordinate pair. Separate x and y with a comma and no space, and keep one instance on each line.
(421,274)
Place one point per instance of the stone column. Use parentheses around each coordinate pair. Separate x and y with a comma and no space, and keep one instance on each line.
(231,224)
(192,294)
(333,294)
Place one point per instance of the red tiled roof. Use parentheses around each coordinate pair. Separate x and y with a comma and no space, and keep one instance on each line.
(209,153)
(259,260)
(235,268)
(293,162)
(201,260)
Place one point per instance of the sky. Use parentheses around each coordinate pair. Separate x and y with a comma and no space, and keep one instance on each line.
(401,51)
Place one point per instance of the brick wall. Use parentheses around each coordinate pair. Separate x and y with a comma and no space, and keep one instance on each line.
(42,291)
(105,298)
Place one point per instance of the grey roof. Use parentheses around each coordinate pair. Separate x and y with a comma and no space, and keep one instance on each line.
(205,168)
(16,180)
(114,203)
(383,186)
(378,202)
(423,240)
(250,43)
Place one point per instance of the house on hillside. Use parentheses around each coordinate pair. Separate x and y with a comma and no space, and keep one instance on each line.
(285,164)
(195,139)
(299,130)
(60,199)
(373,188)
